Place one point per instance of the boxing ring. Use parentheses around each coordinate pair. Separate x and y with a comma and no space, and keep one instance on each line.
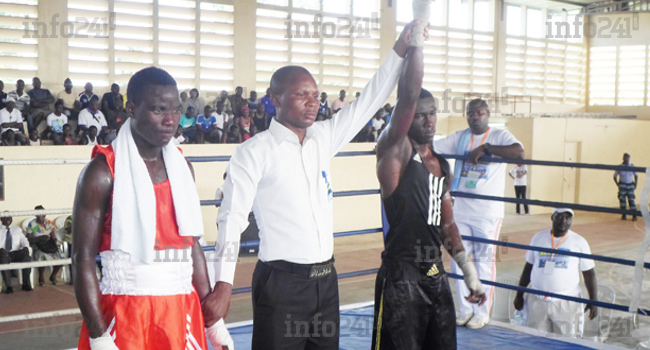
(356,319)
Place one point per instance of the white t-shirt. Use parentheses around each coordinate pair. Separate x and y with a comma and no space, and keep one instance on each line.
(377,123)
(35,143)
(221,119)
(14,117)
(565,277)
(519,170)
(57,122)
(491,181)
(86,119)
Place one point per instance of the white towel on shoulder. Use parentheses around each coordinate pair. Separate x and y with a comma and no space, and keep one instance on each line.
(134,199)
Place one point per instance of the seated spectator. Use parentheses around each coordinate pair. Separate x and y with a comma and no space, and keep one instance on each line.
(92,116)
(559,274)
(222,121)
(39,104)
(34,140)
(87,95)
(14,248)
(251,133)
(21,98)
(113,108)
(269,108)
(184,102)
(178,136)
(244,120)
(12,119)
(237,101)
(3,95)
(90,138)
(188,123)
(388,110)
(70,138)
(324,109)
(207,127)
(252,101)
(55,123)
(260,118)
(233,135)
(41,235)
(365,135)
(340,102)
(195,101)
(71,106)
(224,102)
(9,139)
(377,122)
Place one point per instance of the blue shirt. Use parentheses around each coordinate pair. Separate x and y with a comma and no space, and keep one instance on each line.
(269,108)
(205,124)
(626,177)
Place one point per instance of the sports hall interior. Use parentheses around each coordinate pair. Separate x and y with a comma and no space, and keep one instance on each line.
(581,96)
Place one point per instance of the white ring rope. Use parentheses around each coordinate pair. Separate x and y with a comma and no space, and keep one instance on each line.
(42,161)
(36,212)
(28,265)
(643,248)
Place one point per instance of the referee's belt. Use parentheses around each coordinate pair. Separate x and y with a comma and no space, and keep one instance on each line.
(305,270)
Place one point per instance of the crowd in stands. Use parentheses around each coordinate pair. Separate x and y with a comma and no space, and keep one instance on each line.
(86,119)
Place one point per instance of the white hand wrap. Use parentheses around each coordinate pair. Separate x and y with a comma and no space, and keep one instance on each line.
(421,11)
(218,336)
(105,342)
(469,272)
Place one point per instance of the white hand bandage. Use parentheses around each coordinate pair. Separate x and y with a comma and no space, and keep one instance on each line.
(469,272)
(421,11)
(219,337)
(105,342)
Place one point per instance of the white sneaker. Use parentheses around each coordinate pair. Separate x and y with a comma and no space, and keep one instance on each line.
(463,319)
(478,322)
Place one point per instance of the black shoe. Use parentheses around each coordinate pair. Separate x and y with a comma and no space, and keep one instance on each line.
(9,290)
(53,280)
(41,283)
(28,288)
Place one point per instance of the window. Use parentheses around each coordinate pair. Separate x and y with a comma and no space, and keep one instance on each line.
(630,88)
(341,7)
(88,51)
(576,26)
(513,19)
(602,75)
(272,44)
(216,47)
(459,14)
(534,23)
(405,12)
(18,40)
(483,16)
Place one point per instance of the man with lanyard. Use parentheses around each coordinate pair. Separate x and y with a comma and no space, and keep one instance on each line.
(92,116)
(414,308)
(477,217)
(284,175)
(626,182)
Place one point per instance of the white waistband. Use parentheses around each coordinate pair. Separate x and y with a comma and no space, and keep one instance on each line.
(169,274)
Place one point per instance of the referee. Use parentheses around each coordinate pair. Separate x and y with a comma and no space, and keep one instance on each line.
(284,175)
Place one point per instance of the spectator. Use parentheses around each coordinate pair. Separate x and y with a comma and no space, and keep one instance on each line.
(253,131)
(12,119)
(71,106)
(377,122)
(188,124)
(365,135)
(113,108)
(245,120)
(184,102)
(237,101)
(21,98)
(55,123)
(91,137)
(252,101)
(222,121)
(34,140)
(3,95)
(518,173)
(9,139)
(195,101)
(260,118)
(324,108)
(357,94)
(626,182)
(14,247)
(233,135)
(476,217)
(224,102)
(41,234)
(87,95)
(557,273)
(70,138)
(39,107)
(207,127)
(340,102)
(92,116)
(269,108)
(178,136)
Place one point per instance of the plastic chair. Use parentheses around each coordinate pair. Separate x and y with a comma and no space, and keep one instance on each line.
(598,328)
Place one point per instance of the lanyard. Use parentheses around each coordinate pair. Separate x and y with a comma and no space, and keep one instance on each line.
(558,243)
(482,140)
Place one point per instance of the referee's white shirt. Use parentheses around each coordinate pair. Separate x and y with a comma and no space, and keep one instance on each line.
(289,185)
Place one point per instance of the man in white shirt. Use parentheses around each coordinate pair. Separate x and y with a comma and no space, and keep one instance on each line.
(14,247)
(476,217)
(518,174)
(12,119)
(558,274)
(92,116)
(283,174)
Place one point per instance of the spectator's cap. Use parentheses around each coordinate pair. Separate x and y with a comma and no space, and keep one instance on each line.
(10,99)
(563,210)
(245,108)
(39,207)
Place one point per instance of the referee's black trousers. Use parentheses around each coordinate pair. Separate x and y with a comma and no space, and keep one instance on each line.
(293,311)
